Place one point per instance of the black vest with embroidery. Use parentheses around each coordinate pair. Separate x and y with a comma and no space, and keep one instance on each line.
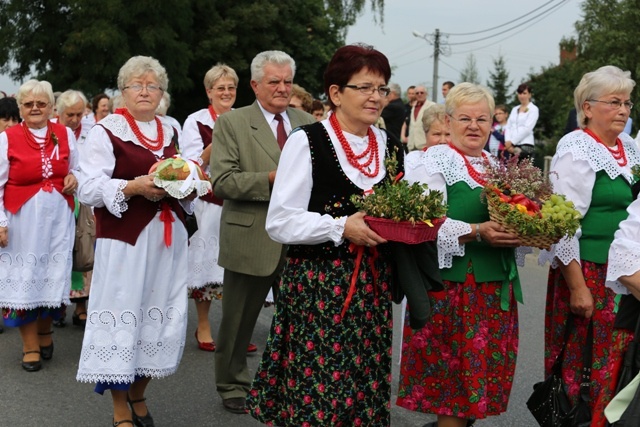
(331,190)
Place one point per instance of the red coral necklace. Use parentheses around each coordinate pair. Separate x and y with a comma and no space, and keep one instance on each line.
(34,141)
(354,159)
(473,173)
(151,144)
(619,155)
(213,113)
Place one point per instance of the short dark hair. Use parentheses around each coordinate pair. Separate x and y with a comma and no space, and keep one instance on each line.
(96,100)
(351,59)
(523,87)
(449,84)
(9,109)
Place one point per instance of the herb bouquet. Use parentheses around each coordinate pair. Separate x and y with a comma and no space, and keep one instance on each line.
(521,200)
(402,212)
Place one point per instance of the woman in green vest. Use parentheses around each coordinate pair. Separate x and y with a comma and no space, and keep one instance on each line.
(460,366)
(592,167)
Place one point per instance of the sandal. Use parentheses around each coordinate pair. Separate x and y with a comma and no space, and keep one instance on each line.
(31,366)
(77,321)
(46,351)
(117,423)
(144,421)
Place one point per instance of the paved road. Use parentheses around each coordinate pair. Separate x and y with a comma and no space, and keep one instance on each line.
(52,397)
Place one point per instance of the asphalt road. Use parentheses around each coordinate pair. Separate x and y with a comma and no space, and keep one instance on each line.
(52,397)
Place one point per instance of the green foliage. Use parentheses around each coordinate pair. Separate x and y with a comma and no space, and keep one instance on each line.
(400,201)
(499,81)
(81,44)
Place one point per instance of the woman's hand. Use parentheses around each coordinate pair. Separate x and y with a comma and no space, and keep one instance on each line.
(495,234)
(581,302)
(4,237)
(70,184)
(144,186)
(358,232)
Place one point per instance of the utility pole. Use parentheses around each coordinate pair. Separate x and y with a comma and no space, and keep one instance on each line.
(436,40)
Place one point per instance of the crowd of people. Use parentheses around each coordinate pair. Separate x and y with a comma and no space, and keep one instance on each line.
(280,224)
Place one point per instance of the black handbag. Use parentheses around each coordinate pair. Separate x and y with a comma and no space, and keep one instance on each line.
(549,403)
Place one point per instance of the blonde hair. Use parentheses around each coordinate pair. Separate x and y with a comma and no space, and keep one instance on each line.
(431,114)
(217,72)
(468,93)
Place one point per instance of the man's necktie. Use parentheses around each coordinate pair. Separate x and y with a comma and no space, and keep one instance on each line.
(282,133)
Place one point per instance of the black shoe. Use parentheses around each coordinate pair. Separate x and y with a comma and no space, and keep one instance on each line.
(1,329)
(236,405)
(31,366)
(60,323)
(46,351)
(77,321)
(145,421)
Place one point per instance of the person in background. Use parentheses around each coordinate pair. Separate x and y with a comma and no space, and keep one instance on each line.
(495,145)
(245,154)
(416,139)
(592,168)
(518,134)
(435,127)
(411,101)
(446,87)
(300,99)
(9,116)
(38,168)
(99,110)
(469,346)
(137,315)
(393,113)
(317,109)
(163,107)
(70,108)
(337,353)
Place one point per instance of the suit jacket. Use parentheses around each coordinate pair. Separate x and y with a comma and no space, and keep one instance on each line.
(417,137)
(393,115)
(244,151)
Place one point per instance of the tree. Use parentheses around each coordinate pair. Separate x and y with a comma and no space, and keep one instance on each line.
(499,81)
(470,70)
(82,44)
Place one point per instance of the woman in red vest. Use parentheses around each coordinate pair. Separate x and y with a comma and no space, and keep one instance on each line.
(38,160)
(592,167)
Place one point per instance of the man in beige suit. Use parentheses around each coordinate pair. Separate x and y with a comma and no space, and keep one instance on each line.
(244,158)
(417,138)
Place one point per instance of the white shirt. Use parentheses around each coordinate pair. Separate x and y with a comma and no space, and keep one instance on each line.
(520,126)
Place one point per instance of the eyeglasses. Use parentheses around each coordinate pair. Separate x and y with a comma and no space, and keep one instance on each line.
(138,88)
(222,89)
(466,121)
(615,104)
(419,93)
(39,104)
(383,91)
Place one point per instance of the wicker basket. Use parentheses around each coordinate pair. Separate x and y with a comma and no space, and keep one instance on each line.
(405,231)
(536,241)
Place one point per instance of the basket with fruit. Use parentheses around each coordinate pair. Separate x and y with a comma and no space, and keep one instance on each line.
(179,177)
(402,212)
(521,200)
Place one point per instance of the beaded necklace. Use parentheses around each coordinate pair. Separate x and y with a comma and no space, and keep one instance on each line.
(34,141)
(151,144)
(619,155)
(213,113)
(371,150)
(473,173)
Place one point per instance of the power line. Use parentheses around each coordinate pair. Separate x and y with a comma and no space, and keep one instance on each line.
(502,25)
(546,12)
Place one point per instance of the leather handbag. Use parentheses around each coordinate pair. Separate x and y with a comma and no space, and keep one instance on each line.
(84,245)
(549,403)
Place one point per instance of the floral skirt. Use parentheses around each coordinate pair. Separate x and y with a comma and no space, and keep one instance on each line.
(206,292)
(462,362)
(18,317)
(557,312)
(321,369)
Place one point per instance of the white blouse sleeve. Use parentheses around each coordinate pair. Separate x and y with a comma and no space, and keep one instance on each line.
(74,154)
(288,220)
(96,187)
(624,252)
(450,232)
(516,134)
(575,180)
(4,176)
(191,144)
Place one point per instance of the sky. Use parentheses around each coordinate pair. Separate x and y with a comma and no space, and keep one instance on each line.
(526,44)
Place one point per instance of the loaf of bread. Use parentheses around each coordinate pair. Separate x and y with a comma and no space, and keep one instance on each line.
(175,169)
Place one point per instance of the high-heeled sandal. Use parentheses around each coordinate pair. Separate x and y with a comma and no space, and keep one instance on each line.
(46,351)
(144,421)
(117,423)
(77,321)
(31,366)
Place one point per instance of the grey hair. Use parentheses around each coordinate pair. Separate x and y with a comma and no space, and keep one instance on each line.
(217,72)
(395,88)
(431,114)
(35,87)
(164,104)
(69,98)
(115,102)
(603,81)
(270,57)
(468,93)
(138,66)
